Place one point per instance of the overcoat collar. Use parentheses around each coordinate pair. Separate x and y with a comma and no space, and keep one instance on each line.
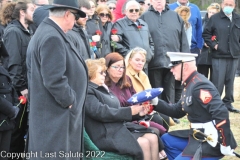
(73,48)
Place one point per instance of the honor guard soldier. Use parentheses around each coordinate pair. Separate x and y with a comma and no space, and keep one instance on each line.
(201,102)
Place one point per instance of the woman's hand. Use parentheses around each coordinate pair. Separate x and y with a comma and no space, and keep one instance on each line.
(136,109)
(115,38)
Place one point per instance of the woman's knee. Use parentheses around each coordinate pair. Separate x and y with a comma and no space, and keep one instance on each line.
(144,143)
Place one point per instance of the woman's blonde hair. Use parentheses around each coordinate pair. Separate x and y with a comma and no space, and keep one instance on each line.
(133,52)
(214,6)
(102,7)
(181,9)
(93,65)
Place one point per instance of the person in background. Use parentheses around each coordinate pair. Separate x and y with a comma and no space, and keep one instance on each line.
(106,117)
(103,2)
(40,11)
(131,26)
(185,13)
(8,111)
(5,17)
(119,11)
(79,36)
(56,97)
(111,5)
(168,36)
(134,69)
(105,15)
(222,35)
(196,22)
(16,39)
(3,2)
(204,63)
(202,104)
(93,28)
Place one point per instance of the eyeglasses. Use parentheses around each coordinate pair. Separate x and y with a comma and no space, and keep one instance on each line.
(214,5)
(118,68)
(76,15)
(103,73)
(112,8)
(104,15)
(131,10)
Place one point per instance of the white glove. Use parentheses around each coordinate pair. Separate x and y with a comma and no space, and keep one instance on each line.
(226,150)
(154,101)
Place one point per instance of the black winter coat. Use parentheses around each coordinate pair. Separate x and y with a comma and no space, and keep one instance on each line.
(168,34)
(227,35)
(106,40)
(8,98)
(104,123)
(16,39)
(205,57)
(80,41)
(131,36)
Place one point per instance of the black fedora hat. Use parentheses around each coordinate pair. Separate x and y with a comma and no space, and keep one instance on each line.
(71,4)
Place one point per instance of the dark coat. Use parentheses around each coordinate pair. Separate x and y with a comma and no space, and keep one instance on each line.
(130,36)
(104,123)
(227,35)
(202,103)
(205,57)
(168,34)
(92,26)
(57,79)
(8,98)
(80,41)
(16,39)
(106,40)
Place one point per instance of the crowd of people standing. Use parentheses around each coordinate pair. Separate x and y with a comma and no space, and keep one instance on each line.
(77,62)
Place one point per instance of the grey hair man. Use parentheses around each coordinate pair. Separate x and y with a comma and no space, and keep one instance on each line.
(57,98)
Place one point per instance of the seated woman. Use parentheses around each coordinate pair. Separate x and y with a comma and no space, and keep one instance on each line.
(121,86)
(135,61)
(105,119)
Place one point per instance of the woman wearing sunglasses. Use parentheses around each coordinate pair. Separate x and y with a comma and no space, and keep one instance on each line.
(105,16)
(133,32)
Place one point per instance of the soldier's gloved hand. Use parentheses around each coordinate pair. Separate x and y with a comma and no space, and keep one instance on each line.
(16,112)
(226,150)
(154,101)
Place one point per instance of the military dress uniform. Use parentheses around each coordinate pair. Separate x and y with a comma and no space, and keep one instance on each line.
(201,102)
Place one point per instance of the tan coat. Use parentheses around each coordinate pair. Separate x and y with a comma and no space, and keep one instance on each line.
(140,80)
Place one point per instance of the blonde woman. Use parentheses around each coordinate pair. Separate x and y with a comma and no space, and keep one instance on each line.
(185,13)
(105,15)
(135,61)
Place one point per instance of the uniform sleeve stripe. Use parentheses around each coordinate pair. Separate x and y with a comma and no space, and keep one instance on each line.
(221,123)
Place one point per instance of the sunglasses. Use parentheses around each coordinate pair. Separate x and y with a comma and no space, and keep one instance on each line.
(76,15)
(216,6)
(113,8)
(103,72)
(104,15)
(131,10)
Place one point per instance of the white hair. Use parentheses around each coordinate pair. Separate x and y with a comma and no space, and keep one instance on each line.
(57,12)
(130,3)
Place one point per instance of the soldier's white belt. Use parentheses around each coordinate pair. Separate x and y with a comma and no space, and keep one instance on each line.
(209,129)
